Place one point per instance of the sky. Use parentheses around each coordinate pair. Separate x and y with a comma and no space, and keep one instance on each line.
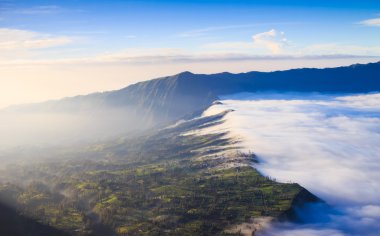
(52,49)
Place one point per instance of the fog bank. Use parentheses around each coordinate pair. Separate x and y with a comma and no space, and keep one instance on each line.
(327,143)
(41,129)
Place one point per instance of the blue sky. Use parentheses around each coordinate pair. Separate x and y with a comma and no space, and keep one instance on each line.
(137,40)
(108,26)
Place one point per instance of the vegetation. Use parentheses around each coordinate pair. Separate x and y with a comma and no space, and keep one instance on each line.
(165,183)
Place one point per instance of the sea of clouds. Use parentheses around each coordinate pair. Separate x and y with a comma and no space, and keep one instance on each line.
(330,144)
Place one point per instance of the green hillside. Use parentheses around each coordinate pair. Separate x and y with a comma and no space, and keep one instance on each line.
(162,183)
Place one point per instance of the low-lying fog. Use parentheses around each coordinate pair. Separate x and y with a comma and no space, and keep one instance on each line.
(41,129)
(327,143)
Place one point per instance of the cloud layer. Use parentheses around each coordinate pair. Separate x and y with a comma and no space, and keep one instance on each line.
(25,45)
(328,144)
(274,43)
(272,40)
(371,22)
(15,39)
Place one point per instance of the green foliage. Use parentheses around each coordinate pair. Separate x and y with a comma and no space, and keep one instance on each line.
(165,183)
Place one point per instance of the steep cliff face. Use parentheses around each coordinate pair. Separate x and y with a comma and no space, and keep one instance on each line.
(306,208)
(165,99)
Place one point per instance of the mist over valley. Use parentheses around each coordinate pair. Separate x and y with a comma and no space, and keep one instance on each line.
(189,118)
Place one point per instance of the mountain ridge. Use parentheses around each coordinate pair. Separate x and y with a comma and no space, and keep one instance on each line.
(170,98)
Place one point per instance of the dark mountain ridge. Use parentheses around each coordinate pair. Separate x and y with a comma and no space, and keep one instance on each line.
(173,97)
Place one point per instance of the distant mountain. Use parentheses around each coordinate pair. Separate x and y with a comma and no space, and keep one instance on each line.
(173,97)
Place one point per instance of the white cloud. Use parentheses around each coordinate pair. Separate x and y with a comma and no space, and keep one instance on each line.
(301,232)
(272,40)
(23,45)
(18,47)
(369,211)
(338,134)
(371,22)
(328,144)
(277,44)
(177,56)
(15,39)
(340,49)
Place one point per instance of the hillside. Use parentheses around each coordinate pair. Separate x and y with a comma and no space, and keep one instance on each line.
(162,183)
(14,224)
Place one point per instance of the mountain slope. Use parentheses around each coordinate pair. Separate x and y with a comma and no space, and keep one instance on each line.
(14,224)
(162,183)
(173,97)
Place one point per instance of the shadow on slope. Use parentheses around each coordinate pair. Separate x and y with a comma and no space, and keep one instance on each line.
(14,224)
